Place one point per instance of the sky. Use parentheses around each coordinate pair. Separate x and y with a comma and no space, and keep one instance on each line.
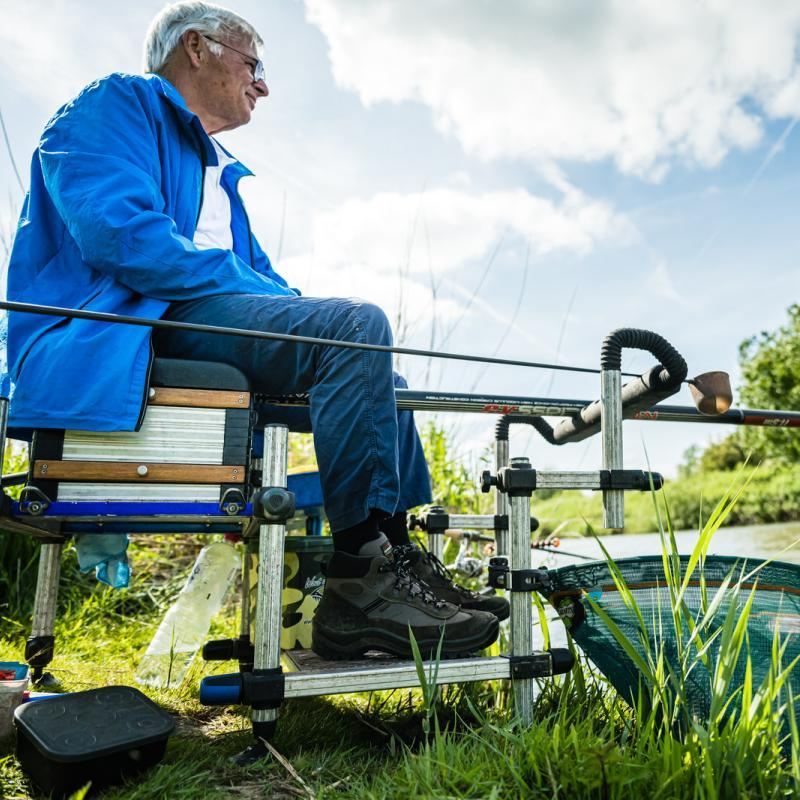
(515,178)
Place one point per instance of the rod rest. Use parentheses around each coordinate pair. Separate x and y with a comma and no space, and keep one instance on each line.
(651,387)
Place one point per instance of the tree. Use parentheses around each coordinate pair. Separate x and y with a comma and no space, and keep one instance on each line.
(770,364)
(727,454)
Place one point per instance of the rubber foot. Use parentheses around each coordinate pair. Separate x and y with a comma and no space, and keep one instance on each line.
(250,755)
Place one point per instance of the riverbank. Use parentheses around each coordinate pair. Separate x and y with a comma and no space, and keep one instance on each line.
(773,495)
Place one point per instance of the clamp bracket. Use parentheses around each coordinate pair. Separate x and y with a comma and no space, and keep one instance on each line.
(541,664)
(263,688)
(516,580)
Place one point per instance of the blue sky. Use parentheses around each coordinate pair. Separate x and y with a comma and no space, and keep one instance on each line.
(640,157)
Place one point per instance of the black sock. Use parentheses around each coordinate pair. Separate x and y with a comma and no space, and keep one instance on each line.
(396,528)
(351,539)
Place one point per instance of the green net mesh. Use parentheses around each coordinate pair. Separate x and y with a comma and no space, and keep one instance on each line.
(776,606)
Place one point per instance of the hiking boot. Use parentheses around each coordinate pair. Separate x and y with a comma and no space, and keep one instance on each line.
(370,600)
(432,572)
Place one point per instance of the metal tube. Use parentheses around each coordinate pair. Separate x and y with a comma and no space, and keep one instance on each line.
(44,604)
(436,544)
(500,498)
(475,522)
(611,432)
(521,606)
(270,570)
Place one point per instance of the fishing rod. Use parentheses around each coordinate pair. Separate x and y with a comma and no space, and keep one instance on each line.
(531,407)
(550,545)
(173,325)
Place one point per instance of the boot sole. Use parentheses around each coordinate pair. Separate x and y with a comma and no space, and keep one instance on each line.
(327,644)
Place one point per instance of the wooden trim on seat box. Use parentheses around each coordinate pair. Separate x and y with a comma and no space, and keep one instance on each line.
(129,472)
(197,398)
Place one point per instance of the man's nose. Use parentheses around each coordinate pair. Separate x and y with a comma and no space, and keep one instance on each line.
(261,88)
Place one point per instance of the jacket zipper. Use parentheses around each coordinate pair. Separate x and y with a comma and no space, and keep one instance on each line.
(247,222)
(202,188)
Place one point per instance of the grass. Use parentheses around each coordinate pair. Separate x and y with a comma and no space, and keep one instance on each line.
(461,742)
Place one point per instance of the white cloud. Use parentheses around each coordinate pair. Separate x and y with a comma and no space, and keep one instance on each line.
(399,250)
(637,81)
(443,229)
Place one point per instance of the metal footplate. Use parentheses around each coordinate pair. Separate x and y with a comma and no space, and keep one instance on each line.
(315,677)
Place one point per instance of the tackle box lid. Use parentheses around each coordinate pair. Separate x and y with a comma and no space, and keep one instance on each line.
(94,723)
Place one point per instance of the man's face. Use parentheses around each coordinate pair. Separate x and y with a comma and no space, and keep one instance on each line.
(229,90)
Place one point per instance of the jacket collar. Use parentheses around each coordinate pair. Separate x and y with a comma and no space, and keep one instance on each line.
(175,98)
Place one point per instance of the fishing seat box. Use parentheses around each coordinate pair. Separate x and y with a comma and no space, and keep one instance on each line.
(102,735)
(188,462)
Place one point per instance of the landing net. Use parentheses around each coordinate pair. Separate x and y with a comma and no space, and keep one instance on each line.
(775,611)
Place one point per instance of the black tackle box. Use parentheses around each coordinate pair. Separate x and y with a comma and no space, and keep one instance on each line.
(103,736)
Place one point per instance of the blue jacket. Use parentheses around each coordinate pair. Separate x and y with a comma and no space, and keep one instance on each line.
(115,193)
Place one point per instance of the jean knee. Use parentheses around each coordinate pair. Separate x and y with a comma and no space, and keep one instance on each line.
(376,323)
(399,381)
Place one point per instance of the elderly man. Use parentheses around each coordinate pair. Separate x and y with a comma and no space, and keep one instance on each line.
(134,209)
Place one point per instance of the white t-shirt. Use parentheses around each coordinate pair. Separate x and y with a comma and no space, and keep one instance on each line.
(214,225)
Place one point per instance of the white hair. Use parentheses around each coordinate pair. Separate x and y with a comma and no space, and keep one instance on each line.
(175,19)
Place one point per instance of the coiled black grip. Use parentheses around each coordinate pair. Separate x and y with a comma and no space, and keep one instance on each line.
(651,387)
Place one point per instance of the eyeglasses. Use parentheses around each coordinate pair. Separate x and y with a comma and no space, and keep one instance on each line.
(256,64)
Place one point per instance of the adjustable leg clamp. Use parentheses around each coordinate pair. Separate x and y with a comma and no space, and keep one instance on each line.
(544,664)
(516,580)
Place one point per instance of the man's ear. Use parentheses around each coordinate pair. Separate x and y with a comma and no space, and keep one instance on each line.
(194,47)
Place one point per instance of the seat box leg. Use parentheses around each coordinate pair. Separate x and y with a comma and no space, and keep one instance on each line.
(267,634)
(41,643)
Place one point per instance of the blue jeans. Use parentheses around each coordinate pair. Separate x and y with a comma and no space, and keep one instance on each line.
(369,454)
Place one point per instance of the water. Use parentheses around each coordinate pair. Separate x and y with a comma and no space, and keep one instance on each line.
(780,541)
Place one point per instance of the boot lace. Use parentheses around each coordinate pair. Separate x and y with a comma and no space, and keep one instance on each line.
(406,580)
(447,576)
(403,552)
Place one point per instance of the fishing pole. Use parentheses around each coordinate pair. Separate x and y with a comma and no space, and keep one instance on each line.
(545,546)
(565,553)
(166,324)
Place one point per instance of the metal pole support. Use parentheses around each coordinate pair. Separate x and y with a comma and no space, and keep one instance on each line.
(436,544)
(267,654)
(500,498)
(41,643)
(611,431)
(521,604)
